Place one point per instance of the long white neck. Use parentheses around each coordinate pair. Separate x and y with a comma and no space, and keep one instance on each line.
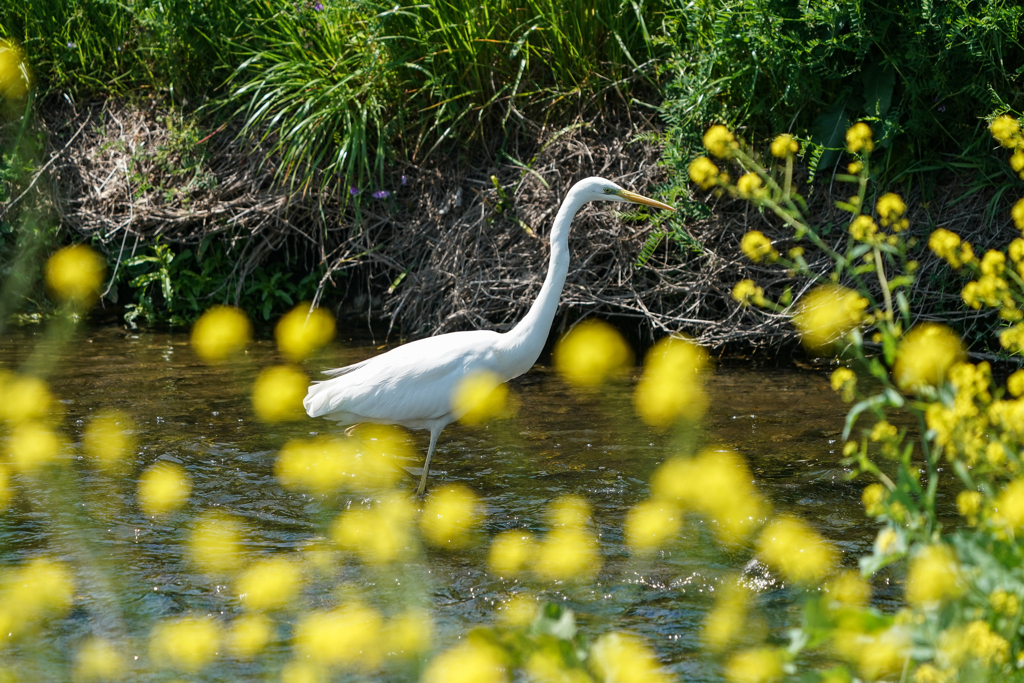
(524,342)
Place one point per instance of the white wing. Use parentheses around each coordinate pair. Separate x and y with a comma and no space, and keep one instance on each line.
(411,385)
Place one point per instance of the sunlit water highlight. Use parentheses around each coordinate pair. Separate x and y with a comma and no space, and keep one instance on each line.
(785,421)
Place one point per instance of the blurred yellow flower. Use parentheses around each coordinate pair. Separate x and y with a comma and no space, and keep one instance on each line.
(873,497)
(784,145)
(349,635)
(757,247)
(728,618)
(473,661)
(24,398)
(925,355)
(569,511)
(672,384)
(5,487)
(1006,130)
(520,610)
(511,552)
(480,397)
(592,352)
(845,381)
(15,74)
(409,633)
(890,208)
(379,535)
(75,274)
(759,665)
(855,167)
(933,577)
(993,262)
(746,292)
(1017,213)
(703,172)
(827,313)
(31,446)
(215,543)
(650,524)
(750,186)
(107,439)
(1015,383)
(1010,506)
(185,643)
(300,332)
(796,550)
(220,332)
(449,516)
(858,137)
(1013,339)
(720,142)
(948,246)
(567,554)
(848,589)
(249,634)
(863,228)
(98,659)
(968,504)
(163,488)
(624,658)
(269,583)
(39,589)
(303,671)
(1004,602)
(278,392)
(319,465)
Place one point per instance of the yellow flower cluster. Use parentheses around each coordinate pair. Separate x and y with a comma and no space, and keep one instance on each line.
(948,246)
(186,643)
(215,545)
(796,550)
(269,583)
(672,384)
(720,142)
(890,208)
(569,551)
(784,145)
(75,273)
(863,229)
(715,484)
(925,355)
(746,292)
(220,332)
(845,381)
(1006,130)
(449,517)
(934,576)
(878,654)
(163,488)
(858,138)
(38,590)
(481,397)
(378,535)
(590,353)
(1012,339)
(758,248)
(473,661)
(704,172)
(826,313)
(15,74)
(325,465)
(626,658)
(300,332)
(750,186)
(278,392)
(728,618)
(1017,214)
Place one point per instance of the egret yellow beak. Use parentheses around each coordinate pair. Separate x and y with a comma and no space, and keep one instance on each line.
(640,199)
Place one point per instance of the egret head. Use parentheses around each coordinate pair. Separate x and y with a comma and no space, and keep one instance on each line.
(599,189)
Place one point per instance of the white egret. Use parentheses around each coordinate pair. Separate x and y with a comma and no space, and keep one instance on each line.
(412,386)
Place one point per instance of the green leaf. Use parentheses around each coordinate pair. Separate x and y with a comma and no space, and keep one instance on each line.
(829,134)
(879,81)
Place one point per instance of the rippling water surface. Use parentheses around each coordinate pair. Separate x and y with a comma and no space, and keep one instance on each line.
(785,421)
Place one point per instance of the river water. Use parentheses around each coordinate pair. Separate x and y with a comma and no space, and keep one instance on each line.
(784,420)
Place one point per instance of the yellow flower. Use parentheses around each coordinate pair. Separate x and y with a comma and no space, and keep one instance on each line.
(249,634)
(727,619)
(1006,130)
(449,516)
(858,138)
(99,660)
(1004,602)
(863,228)
(278,392)
(1015,383)
(473,661)
(76,274)
(25,398)
(796,550)
(1017,213)
(826,313)
(409,634)
(848,589)
(933,576)
(1013,339)
(511,552)
(925,355)
(32,446)
(784,145)
(215,544)
(650,524)
(300,332)
(1016,250)
(624,658)
(947,245)
(1010,506)
(220,332)
(751,186)
(15,74)
(703,172)
(672,384)
(890,208)
(567,554)
(845,381)
(163,488)
(269,583)
(480,397)
(40,589)
(187,643)
(993,262)
(107,439)
(1017,161)
(873,497)
(569,511)
(757,247)
(520,610)
(590,353)
(347,636)
(968,503)
(720,142)
(746,292)
(380,535)
(760,665)
(855,167)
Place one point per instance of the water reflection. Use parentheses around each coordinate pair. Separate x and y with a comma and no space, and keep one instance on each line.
(785,421)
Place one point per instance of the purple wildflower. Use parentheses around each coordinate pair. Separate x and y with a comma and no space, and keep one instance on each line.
(72,46)
(405,181)
(354,191)
(319,7)
(381,194)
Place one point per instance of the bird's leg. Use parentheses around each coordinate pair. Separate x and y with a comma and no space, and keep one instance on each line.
(434,433)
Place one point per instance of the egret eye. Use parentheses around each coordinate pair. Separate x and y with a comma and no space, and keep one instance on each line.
(609,190)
